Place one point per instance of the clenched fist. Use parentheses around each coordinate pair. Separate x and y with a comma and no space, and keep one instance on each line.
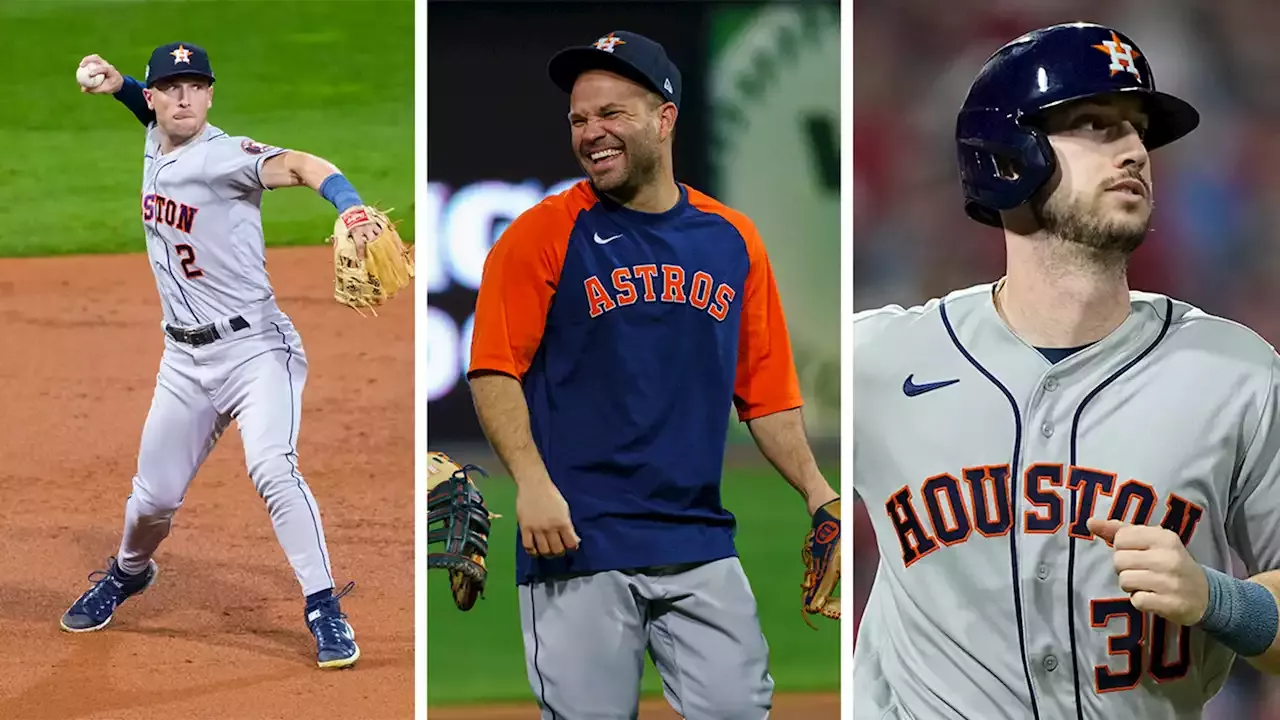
(1156,569)
(110,84)
(545,527)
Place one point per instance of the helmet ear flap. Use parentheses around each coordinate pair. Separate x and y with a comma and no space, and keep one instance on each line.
(1003,161)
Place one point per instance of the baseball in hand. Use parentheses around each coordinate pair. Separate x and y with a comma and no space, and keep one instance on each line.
(89,76)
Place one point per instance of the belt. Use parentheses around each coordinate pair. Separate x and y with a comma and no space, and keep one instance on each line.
(204,334)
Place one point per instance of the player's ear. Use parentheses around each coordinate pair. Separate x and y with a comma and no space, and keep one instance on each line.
(667,120)
(210,96)
(146,94)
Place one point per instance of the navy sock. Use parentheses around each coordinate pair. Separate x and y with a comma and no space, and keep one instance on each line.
(126,578)
(316,598)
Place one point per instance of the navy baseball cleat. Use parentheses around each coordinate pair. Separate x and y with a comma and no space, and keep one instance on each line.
(335,639)
(96,606)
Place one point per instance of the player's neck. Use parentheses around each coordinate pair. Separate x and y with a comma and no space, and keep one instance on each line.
(657,196)
(1057,297)
(169,144)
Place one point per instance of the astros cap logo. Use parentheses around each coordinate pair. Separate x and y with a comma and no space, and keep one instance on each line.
(608,42)
(181,55)
(1122,55)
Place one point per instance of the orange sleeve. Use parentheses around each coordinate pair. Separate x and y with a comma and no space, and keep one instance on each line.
(517,285)
(766,378)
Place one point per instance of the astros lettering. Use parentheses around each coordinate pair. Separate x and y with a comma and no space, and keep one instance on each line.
(675,289)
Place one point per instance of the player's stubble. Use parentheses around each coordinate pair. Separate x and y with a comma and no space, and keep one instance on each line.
(643,154)
(1100,233)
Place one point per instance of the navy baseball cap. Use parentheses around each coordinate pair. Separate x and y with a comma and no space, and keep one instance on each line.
(177,59)
(625,53)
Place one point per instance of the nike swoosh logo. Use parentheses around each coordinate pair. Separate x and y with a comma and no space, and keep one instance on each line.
(910,389)
(606,241)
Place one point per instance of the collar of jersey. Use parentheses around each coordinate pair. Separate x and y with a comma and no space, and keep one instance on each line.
(208,132)
(640,217)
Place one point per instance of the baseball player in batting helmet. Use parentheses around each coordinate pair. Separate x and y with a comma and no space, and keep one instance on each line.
(1058,468)
(1005,153)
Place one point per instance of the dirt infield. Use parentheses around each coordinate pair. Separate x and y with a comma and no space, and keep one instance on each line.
(791,706)
(221,633)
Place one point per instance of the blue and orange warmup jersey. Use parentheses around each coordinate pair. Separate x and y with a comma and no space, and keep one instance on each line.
(634,335)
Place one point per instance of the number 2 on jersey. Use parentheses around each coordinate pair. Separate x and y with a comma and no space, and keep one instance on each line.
(188,255)
(1133,641)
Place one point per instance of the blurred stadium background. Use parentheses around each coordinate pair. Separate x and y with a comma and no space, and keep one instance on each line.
(759,130)
(1215,240)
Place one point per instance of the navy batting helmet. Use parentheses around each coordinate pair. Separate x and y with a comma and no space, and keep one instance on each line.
(1039,70)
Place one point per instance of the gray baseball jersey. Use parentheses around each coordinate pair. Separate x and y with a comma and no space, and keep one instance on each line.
(980,462)
(201,211)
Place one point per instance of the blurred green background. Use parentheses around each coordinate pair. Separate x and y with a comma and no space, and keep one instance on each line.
(478,656)
(318,76)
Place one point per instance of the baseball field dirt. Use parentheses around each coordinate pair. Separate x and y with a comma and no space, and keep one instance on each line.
(796,706)
(221,633)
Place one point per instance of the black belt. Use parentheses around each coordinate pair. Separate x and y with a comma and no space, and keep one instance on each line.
(204,334)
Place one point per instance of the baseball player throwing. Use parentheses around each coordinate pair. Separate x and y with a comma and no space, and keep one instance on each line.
(230,352)
(1058,468)
(618,323)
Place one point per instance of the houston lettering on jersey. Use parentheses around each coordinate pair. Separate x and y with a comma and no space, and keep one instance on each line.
(953,508)
(677,287)
(979,500)
(170,212)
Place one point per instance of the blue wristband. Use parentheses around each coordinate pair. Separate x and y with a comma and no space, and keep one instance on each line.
(1242,614)
(339,191)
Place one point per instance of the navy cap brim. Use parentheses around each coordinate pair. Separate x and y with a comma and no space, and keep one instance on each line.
(1169,117)
(568,64)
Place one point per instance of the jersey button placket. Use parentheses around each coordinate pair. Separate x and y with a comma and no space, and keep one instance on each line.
(1051,663)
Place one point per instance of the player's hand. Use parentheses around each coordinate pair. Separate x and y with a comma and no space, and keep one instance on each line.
(113,81)
(1156,569)
(545,527)
(365,233)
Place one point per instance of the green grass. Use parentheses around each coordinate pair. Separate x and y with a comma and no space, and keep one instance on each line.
(478,656)
(332,78)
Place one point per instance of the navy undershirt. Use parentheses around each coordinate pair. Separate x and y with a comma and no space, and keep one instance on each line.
(1057,355)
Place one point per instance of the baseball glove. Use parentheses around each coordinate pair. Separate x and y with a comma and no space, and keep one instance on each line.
(821,556)
(458,518)
(385,270)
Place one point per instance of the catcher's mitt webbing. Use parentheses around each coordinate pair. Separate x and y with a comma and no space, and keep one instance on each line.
(387,266)
(821,557)
(458,518)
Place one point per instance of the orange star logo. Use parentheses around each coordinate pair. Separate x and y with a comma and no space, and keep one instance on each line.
(181,55)
(1122,55)
(608,42)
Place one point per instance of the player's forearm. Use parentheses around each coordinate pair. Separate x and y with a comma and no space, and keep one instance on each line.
(782,440)
(504,417)
(130,95)
(305,169)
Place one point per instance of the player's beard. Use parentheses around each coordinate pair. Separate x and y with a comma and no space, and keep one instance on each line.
(1084,224)
(642,155)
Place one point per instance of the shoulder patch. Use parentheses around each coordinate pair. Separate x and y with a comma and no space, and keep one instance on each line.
(254,148)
